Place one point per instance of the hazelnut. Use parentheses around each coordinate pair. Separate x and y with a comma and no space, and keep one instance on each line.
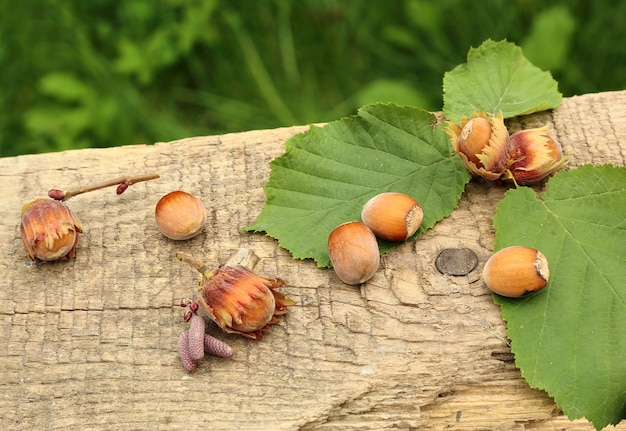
(353,251)
(180,215)
(392,216)
(533,155)
(516,271)
(49,230)
(480,142)
(485,147)
(239,300)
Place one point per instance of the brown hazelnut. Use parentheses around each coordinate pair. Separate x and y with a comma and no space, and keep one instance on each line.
(353,251)
(180,215)
(392,216)
(516,271)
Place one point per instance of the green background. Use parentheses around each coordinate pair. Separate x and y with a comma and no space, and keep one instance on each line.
(100,73)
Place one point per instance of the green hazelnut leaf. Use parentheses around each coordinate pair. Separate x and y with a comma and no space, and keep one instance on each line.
(567,339)
(498,78)
(328,173)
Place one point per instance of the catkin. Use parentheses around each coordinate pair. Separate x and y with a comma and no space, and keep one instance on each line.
(215,347)
(196,338)
(183,352)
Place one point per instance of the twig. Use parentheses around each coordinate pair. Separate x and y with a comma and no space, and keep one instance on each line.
(122,182)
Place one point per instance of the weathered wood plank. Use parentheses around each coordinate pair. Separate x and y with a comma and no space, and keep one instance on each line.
(91,343)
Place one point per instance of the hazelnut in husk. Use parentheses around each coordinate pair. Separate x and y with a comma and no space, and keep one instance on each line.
(239,300)
(486,149)
(480,142)
(532,155)
(49,230)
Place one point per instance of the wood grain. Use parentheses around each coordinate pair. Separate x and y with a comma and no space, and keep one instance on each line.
(90,343)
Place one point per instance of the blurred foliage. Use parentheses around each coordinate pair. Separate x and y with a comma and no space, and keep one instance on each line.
(100,73)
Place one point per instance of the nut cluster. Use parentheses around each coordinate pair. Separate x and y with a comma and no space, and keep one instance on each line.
(485,147)
(352,246)
(237,299)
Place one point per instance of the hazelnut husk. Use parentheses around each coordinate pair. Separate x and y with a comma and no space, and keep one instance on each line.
(49,230)
(241,301)
(532,155)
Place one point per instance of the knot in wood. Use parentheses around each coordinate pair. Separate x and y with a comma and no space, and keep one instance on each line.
(456,261)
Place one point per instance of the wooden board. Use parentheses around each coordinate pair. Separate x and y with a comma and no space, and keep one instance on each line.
(90,343)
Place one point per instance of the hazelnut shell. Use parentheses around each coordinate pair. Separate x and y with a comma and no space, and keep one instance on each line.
(180,215)
(392,216)
(353,251)
(516,271)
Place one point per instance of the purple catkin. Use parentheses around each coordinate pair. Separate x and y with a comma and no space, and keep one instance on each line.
(196,337)
(215,347)
(183,352)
